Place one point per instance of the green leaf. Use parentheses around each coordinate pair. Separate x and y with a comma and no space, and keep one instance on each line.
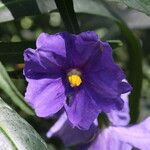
(16,133)
(12,52)
(9,88)
(140,5)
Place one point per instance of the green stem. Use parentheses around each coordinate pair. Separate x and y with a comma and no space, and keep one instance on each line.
(68,15)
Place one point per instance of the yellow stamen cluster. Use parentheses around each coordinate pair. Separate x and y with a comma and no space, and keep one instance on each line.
(74,80)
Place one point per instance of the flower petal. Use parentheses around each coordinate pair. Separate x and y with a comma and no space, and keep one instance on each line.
(77,49)
(87,44)
(122,138)
(104,62)
(104,68)
(124,87)
(104,100)
(52,43)
(105,79)
(107,140)
(37,65)
(105,95)
(82,112)
(69,135)
(61,44)
(137,136)
(89,36)
(121,117)
(57,126)
(46,96)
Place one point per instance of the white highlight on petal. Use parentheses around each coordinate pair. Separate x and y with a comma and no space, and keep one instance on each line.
(57,126)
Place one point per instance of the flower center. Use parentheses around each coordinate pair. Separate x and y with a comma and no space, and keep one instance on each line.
(74,77)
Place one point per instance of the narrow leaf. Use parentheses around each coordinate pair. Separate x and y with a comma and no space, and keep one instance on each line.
(9,88)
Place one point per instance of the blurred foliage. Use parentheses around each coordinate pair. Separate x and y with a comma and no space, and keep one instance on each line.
(23,20)
(141,5)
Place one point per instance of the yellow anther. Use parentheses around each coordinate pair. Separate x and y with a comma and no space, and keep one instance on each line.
(74,80)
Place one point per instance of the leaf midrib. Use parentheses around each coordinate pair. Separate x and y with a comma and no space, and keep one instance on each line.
(9,138)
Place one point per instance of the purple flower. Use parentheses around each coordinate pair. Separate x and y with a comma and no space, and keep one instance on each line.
(76,73)
(73,136)
(114,137)
(120,118)
(122,138)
